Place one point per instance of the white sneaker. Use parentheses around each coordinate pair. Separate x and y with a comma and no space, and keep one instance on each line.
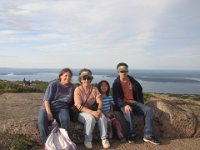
(88,144)
(105,143)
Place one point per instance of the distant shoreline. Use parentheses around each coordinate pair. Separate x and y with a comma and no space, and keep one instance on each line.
(159,81)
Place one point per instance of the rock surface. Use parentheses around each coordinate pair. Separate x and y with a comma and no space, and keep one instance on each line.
(175,119)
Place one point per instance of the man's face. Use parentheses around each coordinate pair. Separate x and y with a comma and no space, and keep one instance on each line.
(123,74)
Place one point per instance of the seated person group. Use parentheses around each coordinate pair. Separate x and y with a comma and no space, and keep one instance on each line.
(127,98)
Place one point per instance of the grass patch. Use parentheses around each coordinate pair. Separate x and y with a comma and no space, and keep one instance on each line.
(19,87)
(148,96)
(16,141)
(190,97)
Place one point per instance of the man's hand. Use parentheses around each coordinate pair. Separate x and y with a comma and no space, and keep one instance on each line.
(128,109)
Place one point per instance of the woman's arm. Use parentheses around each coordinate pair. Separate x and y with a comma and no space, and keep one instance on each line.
(48,110)
(100,103)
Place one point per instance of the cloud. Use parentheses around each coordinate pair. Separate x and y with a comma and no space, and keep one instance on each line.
(138,32)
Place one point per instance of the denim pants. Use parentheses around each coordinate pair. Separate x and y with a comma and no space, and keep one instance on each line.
(140,109)
(89,122)
(62,117)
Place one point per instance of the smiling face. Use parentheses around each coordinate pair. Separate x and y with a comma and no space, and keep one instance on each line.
(65,78)
(86,80)
(104,88)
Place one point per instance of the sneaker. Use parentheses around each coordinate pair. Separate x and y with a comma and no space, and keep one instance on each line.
(105,143)
(88,144)
(122,140)
(152,140)
(132,138)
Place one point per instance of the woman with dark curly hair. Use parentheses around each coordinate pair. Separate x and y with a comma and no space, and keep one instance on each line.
(56,101)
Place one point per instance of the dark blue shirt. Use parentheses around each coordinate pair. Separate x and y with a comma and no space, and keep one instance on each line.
(58,95)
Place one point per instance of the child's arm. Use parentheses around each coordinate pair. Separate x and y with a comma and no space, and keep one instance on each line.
(111,108)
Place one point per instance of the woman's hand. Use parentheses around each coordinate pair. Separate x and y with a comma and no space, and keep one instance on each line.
(50,116)
(48,110)
(97,114)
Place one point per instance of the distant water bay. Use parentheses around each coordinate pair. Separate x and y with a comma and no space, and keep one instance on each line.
(160,81)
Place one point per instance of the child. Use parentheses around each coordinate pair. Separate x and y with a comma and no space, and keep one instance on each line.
(104,89)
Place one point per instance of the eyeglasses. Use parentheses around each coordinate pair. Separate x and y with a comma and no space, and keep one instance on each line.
(87,78)
(123,71)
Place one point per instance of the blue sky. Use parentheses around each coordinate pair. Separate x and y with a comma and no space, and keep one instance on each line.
(156,34)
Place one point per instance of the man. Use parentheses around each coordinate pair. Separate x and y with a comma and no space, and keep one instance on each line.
(128,97)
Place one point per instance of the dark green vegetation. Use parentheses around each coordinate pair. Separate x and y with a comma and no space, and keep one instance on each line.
(16,141)
(148,96)
(19,86)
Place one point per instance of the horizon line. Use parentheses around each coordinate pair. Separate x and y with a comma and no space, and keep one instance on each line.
(153,69)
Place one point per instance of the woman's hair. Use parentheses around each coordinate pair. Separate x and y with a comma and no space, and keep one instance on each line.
(64,70)
(99,87)
(88,73)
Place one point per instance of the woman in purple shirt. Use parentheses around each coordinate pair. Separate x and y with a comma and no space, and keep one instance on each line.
(56,101)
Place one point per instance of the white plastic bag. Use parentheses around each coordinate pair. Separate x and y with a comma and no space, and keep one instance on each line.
(59,139)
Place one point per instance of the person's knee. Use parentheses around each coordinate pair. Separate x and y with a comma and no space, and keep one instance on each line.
(40,126)
(148,110)
(91,120)
(42,123)
(103,120)
(103,117)
(64,121)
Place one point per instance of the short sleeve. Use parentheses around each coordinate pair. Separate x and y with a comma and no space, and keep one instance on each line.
(77,96)
(97,93)
(49,92)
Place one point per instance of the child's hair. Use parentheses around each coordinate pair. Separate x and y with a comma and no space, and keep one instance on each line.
(99,87)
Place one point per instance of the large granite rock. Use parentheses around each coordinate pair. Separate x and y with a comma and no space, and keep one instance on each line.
(175,119)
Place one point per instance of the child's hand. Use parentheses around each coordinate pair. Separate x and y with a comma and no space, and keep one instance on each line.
(110,115)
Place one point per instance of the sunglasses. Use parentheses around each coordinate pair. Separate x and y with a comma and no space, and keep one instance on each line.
(87,78)
(123,71)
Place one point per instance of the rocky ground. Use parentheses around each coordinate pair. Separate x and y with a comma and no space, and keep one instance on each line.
(17,109)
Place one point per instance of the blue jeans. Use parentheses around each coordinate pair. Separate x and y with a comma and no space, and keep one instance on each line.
(62,117)
(89,122)
(140,109)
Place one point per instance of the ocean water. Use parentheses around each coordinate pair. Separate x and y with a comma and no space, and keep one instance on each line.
(159,81)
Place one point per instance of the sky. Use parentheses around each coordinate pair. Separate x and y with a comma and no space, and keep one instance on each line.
(156,34)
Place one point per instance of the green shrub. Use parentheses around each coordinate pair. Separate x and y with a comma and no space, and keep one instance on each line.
(17,86)
(16,141)
(148,96)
